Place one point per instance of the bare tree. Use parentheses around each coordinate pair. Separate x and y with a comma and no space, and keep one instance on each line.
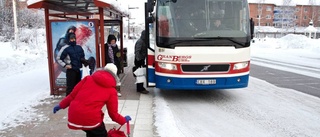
(30,19)
(314,16)
(26,18)
(287,15)
(6,22)
(260,10)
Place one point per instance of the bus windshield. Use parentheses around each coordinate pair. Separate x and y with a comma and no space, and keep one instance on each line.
(202,22)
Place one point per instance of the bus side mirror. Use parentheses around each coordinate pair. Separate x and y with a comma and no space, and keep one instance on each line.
(151,4)
(252,28)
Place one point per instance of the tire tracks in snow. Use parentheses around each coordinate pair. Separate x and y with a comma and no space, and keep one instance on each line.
(311,71)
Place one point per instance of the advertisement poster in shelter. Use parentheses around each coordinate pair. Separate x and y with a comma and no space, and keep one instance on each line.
(85,32)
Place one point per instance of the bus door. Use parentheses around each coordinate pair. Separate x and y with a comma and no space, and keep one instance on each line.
(151,55)
(150,68)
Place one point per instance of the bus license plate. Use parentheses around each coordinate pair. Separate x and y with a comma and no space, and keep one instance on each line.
(206,81)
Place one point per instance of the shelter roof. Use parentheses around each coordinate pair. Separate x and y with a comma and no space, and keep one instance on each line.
(84,8)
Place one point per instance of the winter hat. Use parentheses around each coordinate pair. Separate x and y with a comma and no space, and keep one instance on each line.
(111,37)
(111,67)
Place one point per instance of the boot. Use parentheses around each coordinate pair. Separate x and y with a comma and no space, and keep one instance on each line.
(144,91)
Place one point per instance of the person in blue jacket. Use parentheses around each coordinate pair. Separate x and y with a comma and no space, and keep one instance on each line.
(71,58)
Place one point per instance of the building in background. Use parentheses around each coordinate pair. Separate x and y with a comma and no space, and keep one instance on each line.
(306,13)
(262,13)
(284,16)
(266,14)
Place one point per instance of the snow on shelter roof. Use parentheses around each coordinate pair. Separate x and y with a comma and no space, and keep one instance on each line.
(81,7)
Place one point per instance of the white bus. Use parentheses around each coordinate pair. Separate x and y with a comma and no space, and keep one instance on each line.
(198,44)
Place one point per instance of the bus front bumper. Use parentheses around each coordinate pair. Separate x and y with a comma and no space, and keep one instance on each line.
(163,82)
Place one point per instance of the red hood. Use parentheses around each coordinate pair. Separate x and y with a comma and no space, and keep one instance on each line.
(104,78)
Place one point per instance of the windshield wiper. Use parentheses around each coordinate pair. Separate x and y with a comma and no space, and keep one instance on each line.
(223,38)
(174,42)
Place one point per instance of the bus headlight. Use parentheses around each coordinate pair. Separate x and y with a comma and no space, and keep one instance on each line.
(167,66)
(241,65)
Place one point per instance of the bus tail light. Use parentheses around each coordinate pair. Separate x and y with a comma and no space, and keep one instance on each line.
(240,65)
(167,66)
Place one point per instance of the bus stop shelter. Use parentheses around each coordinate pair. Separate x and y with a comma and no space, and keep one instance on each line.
(92,19)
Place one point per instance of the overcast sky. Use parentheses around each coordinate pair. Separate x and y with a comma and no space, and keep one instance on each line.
(137,14)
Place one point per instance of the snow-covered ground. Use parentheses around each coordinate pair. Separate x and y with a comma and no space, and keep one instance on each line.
(25,80)
(289,51)
(260,110)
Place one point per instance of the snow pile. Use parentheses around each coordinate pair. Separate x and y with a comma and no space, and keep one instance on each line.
(292,49)
(30,2)
(290,41)
(26,54)
(164,119)
(25,58)
(284,30)
(266,29)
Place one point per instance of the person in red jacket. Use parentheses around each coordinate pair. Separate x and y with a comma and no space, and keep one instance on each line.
(87,99)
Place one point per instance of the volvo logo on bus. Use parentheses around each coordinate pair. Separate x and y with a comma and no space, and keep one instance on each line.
(205,68)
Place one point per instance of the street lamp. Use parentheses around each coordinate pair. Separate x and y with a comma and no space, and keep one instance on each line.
(130,18)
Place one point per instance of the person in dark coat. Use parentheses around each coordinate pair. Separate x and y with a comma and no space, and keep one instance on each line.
(112,52)
(88,98)
(113,55)
(140,54)
(71,58)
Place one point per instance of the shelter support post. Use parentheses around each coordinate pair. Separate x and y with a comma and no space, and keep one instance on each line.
(101,26)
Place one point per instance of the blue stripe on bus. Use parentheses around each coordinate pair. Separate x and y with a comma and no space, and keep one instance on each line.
(151,75)
(190,83)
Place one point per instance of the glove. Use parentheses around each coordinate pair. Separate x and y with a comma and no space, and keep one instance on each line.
(128,118)
(56,108)
(84,62)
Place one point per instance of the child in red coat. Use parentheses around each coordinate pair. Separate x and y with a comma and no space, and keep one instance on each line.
(87,99)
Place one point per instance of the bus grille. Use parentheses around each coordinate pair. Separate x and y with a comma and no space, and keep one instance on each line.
(206,68)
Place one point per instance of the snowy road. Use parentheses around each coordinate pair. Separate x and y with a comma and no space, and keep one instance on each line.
(285,79)
(308,70)
(260,110)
